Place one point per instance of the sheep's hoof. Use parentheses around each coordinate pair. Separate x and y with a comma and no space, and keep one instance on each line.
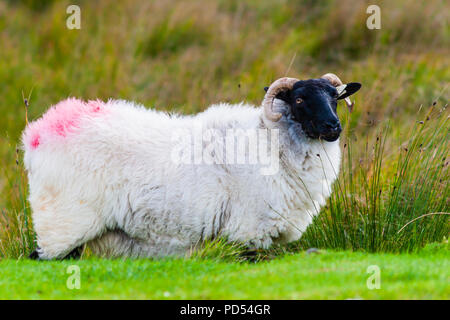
(34,255)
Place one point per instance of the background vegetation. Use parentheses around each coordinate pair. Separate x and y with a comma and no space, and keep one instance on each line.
(183,56)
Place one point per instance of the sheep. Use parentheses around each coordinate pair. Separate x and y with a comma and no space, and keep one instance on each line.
(110,174)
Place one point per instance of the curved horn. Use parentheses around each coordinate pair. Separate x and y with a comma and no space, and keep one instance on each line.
(274,89)
(335,81)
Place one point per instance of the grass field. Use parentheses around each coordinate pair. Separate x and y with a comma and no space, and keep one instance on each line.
(392,197)
(328,275)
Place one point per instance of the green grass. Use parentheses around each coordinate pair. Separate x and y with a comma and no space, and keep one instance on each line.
(328,275)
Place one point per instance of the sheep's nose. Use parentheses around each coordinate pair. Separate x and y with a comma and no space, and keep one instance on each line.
(333,126)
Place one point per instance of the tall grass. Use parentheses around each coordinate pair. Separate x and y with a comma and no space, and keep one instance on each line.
(390,197)
(17,237)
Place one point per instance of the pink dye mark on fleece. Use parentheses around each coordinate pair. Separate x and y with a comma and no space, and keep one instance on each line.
(61,119)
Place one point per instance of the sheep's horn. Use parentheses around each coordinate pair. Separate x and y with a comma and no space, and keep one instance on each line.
(335,81)
(275,88)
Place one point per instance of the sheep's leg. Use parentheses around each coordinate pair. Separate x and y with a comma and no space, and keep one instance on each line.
(113,244)
(118,243)
(62,226)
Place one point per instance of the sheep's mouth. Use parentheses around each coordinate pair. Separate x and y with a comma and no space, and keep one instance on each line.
(312,132)
(330,137)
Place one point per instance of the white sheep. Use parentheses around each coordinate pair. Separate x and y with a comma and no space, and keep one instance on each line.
(127,180)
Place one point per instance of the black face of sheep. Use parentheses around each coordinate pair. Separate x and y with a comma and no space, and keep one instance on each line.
(313,104)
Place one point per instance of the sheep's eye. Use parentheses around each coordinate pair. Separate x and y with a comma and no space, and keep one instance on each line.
(298,100)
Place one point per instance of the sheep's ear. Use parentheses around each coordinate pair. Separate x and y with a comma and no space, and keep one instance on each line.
(348,89)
